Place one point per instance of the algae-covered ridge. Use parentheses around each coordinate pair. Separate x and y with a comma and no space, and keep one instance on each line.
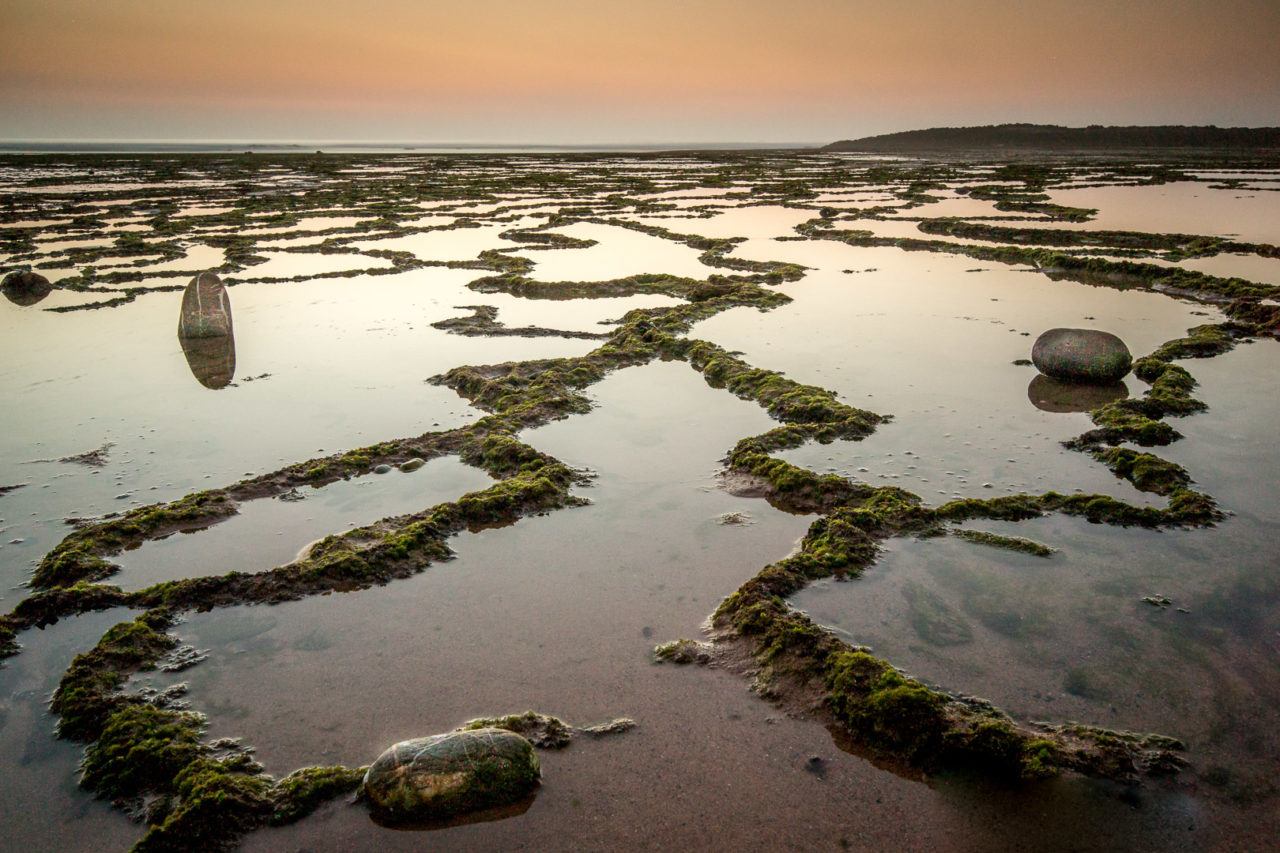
(152,756)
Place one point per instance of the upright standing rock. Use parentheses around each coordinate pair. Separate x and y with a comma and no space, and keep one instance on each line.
(1081,355)
(206,308)
(204,331)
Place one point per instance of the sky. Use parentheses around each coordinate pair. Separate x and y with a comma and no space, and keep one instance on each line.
(623,71)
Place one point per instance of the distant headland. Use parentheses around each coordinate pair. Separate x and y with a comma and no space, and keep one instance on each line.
(1051,137)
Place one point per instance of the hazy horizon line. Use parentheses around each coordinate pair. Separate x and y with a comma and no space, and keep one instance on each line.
(415,143)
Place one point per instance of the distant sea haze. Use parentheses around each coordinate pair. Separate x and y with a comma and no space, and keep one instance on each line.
(216,146)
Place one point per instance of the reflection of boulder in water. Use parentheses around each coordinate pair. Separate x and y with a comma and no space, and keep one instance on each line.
(24,287)
(1052,395)
(1081,355)
(206,308)
(212,360)
(204,330)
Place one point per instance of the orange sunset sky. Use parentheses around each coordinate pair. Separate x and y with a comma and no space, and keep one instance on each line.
(605,71)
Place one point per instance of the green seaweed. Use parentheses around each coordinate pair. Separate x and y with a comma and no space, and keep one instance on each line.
(86,696)
(302,791)
(1009,543)
(142,749)
(1146,471)
(543,731)
(681,651)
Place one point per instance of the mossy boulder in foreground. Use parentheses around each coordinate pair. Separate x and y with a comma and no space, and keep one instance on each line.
(445,775)
(1081,355)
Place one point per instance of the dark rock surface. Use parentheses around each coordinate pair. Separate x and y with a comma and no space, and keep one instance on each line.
(445,775)
(1081,355)
(206,309)
(23,287)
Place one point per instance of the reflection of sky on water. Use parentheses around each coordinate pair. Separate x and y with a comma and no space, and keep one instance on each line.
(1183,208)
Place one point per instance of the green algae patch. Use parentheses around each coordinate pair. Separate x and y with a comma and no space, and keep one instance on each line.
(682,651)
(48,606)
(211,806)
(142,749)
(1126,420)
(78,557)
(1146,471)
(541,730)
(1009,543)
(900,718)
(890,713)
(784,399)
(1003,508)
(1175,245)
(886,710)
(71,565)
(210,803)
(1084,268)
(86,696)
(483,322)
(1201,342)
(302,791)
(504,456)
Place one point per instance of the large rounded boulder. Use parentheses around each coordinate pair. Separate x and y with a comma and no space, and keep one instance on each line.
(24,287)
(445,775)
(1081,355)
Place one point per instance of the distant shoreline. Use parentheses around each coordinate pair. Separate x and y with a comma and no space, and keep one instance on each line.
(1054,138)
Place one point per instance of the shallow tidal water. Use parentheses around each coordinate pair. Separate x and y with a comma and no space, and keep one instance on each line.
(560,612)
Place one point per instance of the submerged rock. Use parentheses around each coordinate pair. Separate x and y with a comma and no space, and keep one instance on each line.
(24,287)
(445,775)
(206,309)
(1054,395)
(933,620)
(1081,355)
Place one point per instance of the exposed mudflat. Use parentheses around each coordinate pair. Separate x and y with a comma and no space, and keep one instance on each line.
(577,346)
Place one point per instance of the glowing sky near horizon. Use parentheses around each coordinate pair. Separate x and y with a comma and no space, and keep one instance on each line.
(609,71)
